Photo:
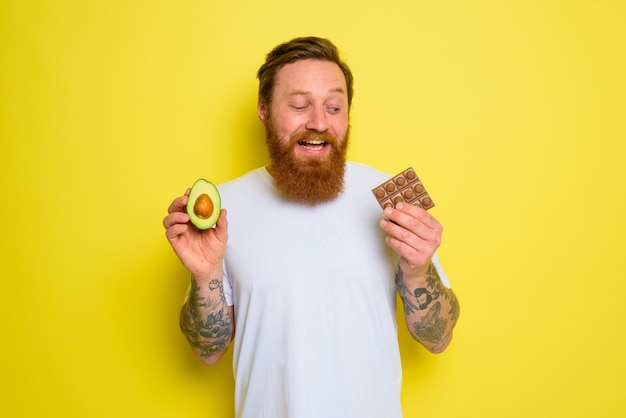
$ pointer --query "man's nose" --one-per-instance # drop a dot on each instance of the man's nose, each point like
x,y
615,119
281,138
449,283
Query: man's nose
x,y
317,120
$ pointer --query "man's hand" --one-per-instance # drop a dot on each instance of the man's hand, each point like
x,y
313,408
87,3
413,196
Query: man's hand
x,y
201,251
414,234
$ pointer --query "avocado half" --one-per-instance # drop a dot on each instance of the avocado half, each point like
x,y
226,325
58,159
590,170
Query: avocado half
x,y
204,204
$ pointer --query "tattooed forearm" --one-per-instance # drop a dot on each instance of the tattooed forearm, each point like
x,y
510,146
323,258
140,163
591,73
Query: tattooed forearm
x,y
431,310
206,321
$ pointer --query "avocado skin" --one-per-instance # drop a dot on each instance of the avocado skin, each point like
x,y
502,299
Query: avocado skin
x,y
200,187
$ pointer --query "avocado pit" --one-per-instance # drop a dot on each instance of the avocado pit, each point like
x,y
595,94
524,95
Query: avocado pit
x,y
203,206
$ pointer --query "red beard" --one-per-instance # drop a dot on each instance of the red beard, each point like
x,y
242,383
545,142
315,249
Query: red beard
x,y
307,180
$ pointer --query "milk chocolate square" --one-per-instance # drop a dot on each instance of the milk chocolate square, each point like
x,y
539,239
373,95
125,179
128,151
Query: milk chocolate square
x,y
404,187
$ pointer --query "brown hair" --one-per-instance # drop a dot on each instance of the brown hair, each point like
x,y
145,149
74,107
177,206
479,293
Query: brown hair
x,y
295,50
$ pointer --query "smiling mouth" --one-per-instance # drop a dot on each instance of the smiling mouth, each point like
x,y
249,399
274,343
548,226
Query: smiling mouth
x,y
312,145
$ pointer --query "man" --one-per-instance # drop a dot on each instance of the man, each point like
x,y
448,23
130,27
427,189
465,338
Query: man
x,y
303,274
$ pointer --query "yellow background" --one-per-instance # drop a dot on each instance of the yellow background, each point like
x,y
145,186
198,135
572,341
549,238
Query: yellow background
x,y
512,112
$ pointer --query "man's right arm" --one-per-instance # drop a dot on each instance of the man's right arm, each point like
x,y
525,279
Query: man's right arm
x,y
206,319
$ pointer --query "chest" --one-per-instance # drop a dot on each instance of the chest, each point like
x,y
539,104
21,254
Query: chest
x,y
308,250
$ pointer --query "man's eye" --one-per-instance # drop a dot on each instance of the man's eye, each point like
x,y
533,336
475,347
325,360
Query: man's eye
x,y
333,109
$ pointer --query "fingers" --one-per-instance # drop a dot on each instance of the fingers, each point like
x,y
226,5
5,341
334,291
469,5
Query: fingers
x,y
177,211
176,230
176,223
179,204
175,218
222,222
407,214
411,230
221,226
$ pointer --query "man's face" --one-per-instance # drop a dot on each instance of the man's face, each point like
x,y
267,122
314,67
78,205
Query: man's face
x,y
307,130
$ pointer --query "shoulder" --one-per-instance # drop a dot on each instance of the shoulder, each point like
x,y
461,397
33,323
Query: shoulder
x,y
360,180
363,175
251,186
251,179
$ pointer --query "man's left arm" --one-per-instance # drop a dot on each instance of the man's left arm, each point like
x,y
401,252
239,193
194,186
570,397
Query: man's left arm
x,y
431,309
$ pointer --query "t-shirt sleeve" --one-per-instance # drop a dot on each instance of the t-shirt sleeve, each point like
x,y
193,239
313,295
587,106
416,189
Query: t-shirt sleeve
x,y
228,290
442,274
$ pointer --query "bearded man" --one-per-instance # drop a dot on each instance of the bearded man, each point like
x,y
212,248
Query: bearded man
x,y
303,272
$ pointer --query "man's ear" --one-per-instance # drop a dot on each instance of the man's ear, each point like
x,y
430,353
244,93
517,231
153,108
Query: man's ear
x,y
262,112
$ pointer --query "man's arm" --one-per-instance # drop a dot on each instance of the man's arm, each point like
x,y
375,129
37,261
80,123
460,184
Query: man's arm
x,y
431,310
207,321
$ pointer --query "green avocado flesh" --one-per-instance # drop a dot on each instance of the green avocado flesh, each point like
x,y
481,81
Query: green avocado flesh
x,y
204,204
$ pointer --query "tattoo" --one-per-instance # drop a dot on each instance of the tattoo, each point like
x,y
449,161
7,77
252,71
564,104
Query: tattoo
x,y
210,334
423,298
430,326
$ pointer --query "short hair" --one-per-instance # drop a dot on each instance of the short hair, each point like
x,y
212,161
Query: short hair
x,y
295,50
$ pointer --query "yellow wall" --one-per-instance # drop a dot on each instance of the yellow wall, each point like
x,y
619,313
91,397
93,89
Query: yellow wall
x,y
512,112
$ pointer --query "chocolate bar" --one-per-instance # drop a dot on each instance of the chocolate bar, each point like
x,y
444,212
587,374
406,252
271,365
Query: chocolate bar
x,y
404,187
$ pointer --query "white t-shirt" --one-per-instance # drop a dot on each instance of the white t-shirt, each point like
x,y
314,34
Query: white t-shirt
x,y
314,296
